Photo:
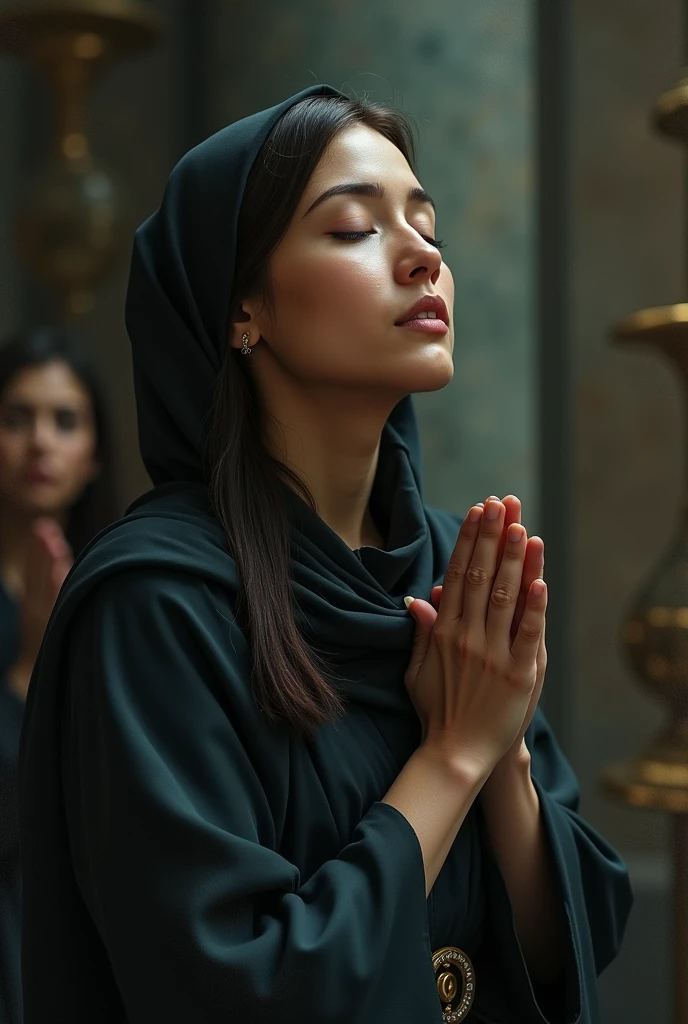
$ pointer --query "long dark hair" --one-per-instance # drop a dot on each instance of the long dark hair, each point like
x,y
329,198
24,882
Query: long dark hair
x,y
246,481
98,504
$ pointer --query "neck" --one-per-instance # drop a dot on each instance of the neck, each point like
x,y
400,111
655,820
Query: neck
x,y
331,439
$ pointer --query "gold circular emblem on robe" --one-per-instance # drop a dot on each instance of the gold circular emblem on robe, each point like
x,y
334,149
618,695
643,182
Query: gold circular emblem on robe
x,y
455,982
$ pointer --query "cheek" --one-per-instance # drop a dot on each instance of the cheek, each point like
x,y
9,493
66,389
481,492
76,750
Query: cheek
x,y
13,452
78,456
337,287
445,284
76,461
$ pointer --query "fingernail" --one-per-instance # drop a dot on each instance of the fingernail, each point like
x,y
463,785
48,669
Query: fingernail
x,y
493,510
475,514
409,600
538,588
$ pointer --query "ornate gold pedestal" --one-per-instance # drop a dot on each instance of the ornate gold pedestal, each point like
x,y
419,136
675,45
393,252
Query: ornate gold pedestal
x,y
656,630
70,226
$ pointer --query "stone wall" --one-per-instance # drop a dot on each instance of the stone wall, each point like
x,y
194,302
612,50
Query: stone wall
x,y
463,71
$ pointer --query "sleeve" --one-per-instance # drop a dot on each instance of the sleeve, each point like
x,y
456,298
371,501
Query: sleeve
x,y
174,842
596,896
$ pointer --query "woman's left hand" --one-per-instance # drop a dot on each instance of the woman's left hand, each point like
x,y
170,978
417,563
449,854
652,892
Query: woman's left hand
x,y
532,570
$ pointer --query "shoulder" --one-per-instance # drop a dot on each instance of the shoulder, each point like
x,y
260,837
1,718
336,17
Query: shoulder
x,y
160,551
151,635
147,597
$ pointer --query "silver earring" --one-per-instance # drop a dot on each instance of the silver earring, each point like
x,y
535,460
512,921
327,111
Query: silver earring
x,y
245,349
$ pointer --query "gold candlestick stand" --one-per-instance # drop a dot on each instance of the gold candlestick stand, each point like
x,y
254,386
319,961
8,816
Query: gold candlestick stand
x,y
655,633
70,225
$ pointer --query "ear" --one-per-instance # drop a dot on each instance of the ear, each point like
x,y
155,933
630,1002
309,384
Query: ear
x,y
241,322
245,320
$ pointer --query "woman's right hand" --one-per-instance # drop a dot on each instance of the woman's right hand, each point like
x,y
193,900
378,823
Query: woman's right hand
x,y
48,560
473,687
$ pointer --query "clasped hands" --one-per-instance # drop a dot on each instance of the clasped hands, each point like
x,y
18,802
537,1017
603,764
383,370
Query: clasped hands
x,y
533,568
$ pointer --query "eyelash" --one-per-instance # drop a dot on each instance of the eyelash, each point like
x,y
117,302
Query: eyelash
x,y
353,236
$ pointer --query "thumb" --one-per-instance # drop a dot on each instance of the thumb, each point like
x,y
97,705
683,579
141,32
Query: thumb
x,y
424,616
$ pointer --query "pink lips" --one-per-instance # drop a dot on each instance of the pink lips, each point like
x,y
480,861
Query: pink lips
x,y
433,325
439,324
37,476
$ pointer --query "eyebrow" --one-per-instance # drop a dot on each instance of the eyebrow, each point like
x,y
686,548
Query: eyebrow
x,y
369,188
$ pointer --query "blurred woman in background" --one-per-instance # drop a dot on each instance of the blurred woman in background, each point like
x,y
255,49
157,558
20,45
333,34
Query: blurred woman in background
x,y
57,491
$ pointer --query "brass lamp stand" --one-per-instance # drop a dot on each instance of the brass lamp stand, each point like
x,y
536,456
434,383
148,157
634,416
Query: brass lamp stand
x,y
655,634
70,224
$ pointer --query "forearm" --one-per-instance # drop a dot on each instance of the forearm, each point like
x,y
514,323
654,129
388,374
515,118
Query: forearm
x,y
511,809
435,794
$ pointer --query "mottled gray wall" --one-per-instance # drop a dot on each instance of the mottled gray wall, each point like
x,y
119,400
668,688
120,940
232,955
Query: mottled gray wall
x,y
628,230
464,71
628,244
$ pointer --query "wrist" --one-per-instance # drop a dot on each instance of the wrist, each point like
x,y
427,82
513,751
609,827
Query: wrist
x,y
456,765
511,774
516,758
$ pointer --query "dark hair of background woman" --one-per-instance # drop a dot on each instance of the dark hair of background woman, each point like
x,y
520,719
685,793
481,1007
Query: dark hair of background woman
x,y
288,678
98,505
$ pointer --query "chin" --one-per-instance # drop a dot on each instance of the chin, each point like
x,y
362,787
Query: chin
x,y
35,505
430,374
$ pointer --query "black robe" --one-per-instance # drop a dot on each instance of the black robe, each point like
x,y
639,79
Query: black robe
x,y
186,860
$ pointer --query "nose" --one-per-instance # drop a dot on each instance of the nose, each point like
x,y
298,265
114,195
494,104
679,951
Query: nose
x,y
42,433
421,262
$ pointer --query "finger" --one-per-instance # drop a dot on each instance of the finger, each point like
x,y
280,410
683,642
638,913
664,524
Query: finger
x,y
541,658
533,569
49,560
457,567
424,616
512,504
49,533
512,515
505,590
44,528
38,558
526,643
481,570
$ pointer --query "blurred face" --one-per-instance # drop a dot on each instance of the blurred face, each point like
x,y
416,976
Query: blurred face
x,y
355,267
47,440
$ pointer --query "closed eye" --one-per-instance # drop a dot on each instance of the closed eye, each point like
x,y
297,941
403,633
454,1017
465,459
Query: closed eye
x,y
353,236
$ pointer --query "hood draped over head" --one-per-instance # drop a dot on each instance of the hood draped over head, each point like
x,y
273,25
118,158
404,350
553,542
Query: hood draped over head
x,y
177,309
